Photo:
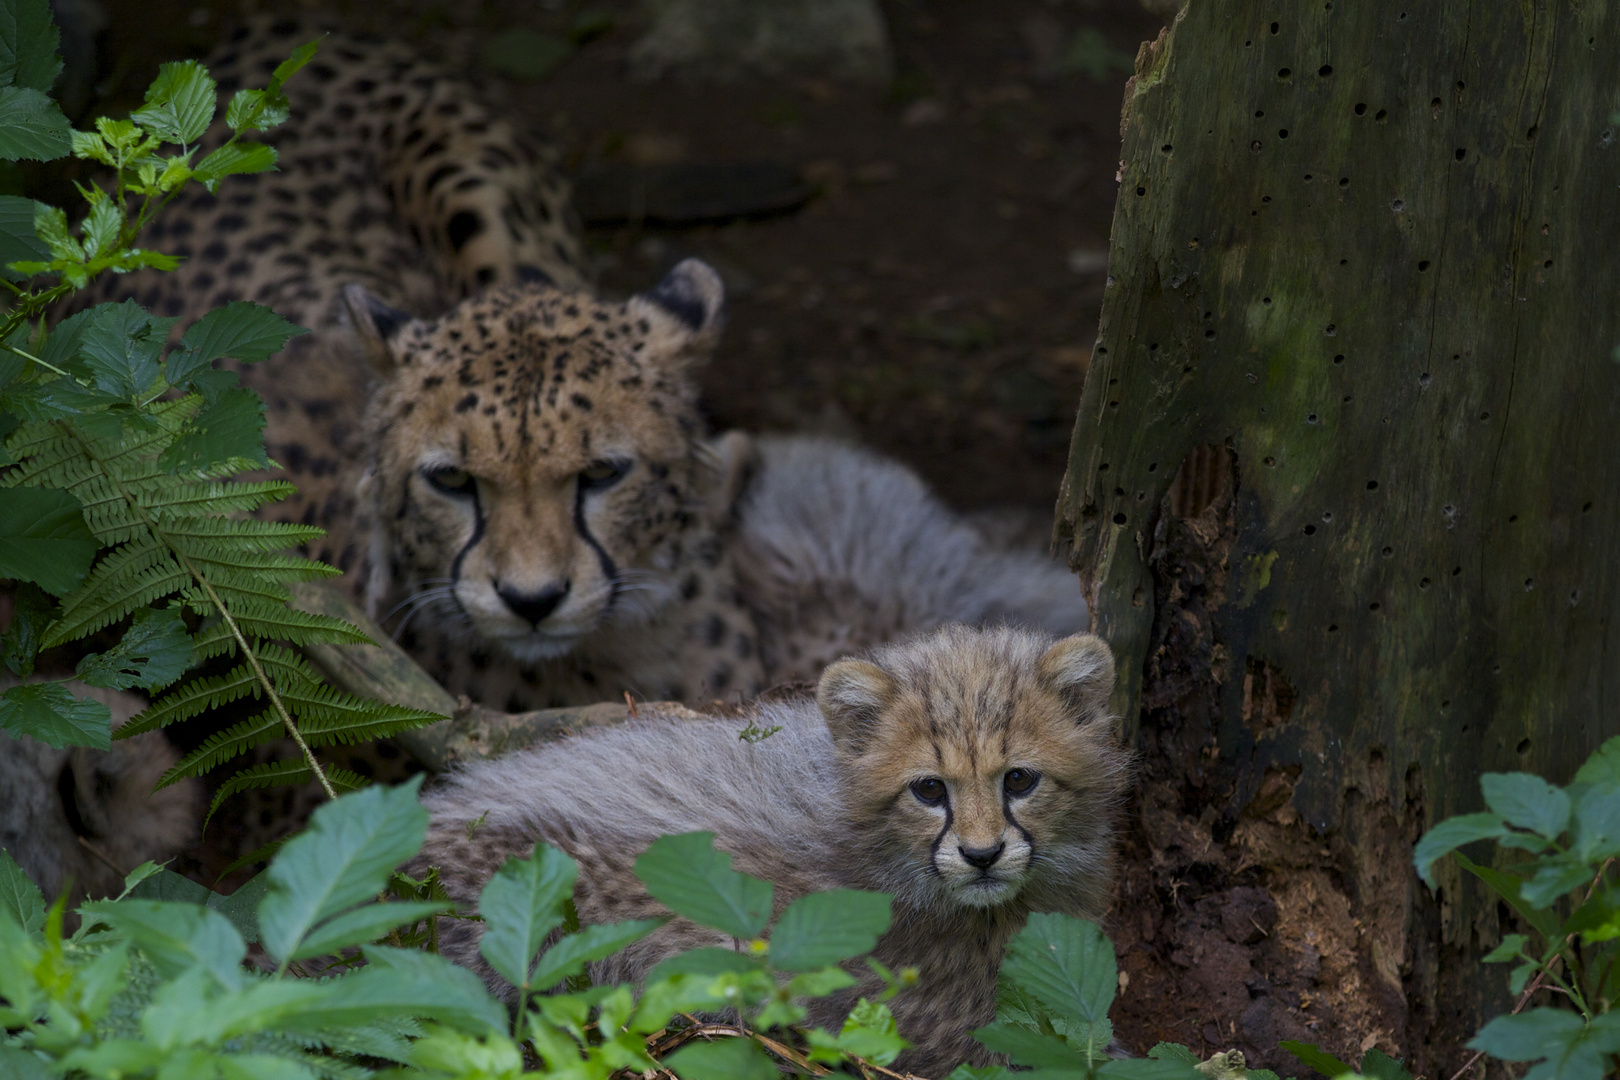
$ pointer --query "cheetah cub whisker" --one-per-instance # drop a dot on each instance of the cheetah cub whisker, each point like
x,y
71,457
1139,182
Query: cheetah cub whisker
x,y
971,773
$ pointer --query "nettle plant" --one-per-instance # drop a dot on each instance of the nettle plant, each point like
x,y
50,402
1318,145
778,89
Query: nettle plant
x,y
118,511
158,982
1564,889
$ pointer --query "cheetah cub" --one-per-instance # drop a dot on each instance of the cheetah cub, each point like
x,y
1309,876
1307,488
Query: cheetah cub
x,y
972,774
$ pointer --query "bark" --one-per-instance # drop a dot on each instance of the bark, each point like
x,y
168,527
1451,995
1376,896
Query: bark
x,y
1362,272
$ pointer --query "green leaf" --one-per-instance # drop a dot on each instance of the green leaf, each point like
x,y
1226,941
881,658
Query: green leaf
x,y
1512,945
341,860
1027,1047
879,1034
120,344
292,65
826,927
1313,1056
363,925
241,330
31,126
1603,767
233,159
1597,823
32,610
706,963
28,41
1376,1063
47,711
687,875
179,103
1450,835
1527,801
101,225
521,905
1508,887
1529,1035
228,430
1149,1069
19,1064
256,110
1174,1052
1554,880
44,539
18,241
723,1059
416,983
1066,963
176,936
569,956
154,651
19,896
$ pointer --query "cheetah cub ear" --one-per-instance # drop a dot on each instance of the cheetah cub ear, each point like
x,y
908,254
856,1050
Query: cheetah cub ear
x,y
1081,670
375,325
852,696
684,313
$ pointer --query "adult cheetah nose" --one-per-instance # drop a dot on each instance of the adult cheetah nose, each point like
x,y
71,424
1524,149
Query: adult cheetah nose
x,y
534,607
983,857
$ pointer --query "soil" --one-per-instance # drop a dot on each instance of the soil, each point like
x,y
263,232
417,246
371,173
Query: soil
x,y
936,298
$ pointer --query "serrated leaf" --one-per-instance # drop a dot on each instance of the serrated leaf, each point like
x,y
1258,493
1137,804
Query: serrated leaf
x,y
177,936
154,652
179,103
689,877
120,345
826,927
1376,1063
1450,835
341,860
241,330
1527,801
1028,1047
1511,946
20,896
234,159
1553,880
1508,887
32,127
47,711
1535,1033
521,905
44,538
31,612
1148,1069
228,429
18,241
28,42
1603,767
723,1059
363,925
101,225
1597,823
569,956
706,962
1066,963
1313,1056
292,65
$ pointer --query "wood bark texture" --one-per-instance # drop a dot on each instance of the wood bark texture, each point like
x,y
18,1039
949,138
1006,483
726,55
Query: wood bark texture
x,y
1366,251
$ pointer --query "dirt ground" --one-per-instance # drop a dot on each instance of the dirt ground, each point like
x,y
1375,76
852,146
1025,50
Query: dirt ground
x,y
935,297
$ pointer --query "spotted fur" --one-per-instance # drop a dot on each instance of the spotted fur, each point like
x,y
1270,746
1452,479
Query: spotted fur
x,y
836,798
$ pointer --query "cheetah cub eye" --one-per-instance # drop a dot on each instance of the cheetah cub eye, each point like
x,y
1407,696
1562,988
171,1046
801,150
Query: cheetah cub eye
x,y
930,790
1020,781
602,474
450,481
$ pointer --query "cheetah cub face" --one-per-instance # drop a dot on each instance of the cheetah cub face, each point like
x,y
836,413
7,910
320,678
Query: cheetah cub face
x,y
536,457
981,776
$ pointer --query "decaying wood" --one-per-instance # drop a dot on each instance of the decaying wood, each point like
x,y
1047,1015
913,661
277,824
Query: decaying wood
x,y
386,672
1368,249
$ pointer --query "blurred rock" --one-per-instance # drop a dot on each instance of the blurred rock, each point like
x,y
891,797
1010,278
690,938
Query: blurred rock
x,y
720,40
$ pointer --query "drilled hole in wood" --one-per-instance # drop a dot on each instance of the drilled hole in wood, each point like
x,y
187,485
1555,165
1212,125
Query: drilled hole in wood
x,y
1311,418
1361,108
1347,399
1372,485
1423,267
1269,462
1282,133
1373,606
1254,147
1268,697
1119,519
1265,299
1331,330
1532,132
1265,199
1399,206
1524,746
1309,530
1153,466
1259,114
1141,191
1325,70
1165,149
1529,583
1547,265
1203,478
1344,181
1424,584
1274,28
1424,380
1485,416
1587,508
1339,358
1333,628
1381,114
1209,333
1435,104
1512,518
1460,153
1388,551
1456,570
1285,74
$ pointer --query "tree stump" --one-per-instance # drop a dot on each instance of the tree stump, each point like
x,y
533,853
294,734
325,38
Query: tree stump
x,y
1345,491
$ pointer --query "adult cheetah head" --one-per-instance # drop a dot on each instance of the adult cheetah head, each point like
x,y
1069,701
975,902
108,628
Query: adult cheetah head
x,y
538,457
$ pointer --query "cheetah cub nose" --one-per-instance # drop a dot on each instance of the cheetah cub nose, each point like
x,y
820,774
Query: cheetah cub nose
x,y
984,857
534,607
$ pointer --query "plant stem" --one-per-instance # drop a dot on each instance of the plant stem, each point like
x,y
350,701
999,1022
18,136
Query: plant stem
x,y
37,360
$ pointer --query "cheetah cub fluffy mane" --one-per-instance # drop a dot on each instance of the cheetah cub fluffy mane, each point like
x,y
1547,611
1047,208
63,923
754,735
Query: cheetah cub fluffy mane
x,y
972,774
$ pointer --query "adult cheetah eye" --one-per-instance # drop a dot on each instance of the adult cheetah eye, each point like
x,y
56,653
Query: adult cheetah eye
x,y
449,480
1020,781
602,474
930,790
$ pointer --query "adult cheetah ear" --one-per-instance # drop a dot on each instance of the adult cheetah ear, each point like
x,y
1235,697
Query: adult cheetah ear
x,y
733,458
375,324
1081,670
684,312
852,695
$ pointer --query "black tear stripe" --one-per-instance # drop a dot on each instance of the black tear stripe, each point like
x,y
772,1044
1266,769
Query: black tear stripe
x,y
472,541
609,570
1006,812
933,849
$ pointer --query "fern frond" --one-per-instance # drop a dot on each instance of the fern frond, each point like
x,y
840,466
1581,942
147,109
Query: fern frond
x,y
213,640
280,774
327,715
204,532
273,622
133,576
221,560
223,745
192,699
191,498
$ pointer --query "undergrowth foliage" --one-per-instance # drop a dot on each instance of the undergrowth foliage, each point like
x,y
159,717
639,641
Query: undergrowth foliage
x,y
118,507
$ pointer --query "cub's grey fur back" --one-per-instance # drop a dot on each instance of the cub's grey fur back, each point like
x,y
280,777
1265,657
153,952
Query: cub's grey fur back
x,y
51,800
831,801
839,548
